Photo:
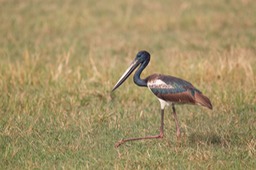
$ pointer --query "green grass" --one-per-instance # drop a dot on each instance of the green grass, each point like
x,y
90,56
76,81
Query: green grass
x,y
60,59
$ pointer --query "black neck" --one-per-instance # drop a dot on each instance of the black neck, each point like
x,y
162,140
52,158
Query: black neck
x,y
136,78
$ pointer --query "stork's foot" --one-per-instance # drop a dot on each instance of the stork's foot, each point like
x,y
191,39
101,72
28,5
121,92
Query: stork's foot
x,y
122,141
178,134
161,134
117,144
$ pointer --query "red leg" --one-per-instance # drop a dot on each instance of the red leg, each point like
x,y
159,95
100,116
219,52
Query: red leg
x,y
176,122
161,134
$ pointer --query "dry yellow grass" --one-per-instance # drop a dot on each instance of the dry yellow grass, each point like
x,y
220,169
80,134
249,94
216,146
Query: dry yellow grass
x,y
59,60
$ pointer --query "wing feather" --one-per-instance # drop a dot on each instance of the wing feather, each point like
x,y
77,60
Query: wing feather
x,y
176,90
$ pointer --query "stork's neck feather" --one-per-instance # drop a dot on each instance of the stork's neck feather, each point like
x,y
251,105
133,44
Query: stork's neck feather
x,y
136,78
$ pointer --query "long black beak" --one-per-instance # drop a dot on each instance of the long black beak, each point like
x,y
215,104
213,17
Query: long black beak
x,y
127,73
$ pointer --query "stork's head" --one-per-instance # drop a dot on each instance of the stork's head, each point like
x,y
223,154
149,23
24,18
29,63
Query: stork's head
x,y
141,57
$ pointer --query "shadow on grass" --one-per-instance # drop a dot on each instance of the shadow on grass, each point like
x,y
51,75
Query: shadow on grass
x,y
205,138
225,140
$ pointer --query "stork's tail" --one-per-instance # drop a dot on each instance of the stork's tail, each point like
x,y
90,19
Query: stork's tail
x,y
203,100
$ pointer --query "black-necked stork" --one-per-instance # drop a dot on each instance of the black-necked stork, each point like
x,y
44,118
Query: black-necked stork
x,y
168,90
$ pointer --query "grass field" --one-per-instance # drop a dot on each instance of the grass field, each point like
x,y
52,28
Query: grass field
x,y
60,59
